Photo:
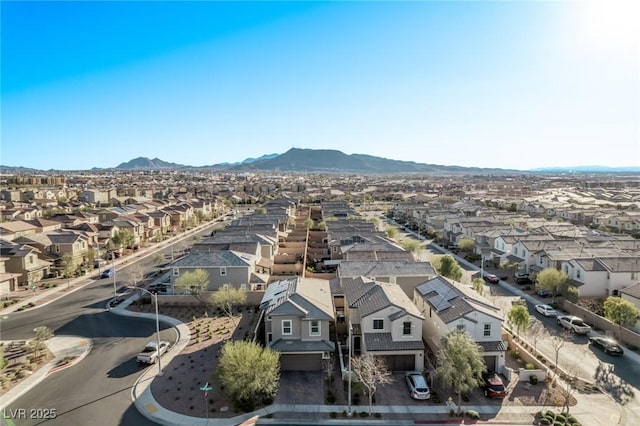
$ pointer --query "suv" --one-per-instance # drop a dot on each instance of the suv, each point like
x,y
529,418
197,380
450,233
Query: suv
x,y
492,279
493,386
417,384
573,324
522,278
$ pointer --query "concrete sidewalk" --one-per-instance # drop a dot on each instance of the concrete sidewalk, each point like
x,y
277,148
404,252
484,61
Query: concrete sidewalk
x,y
67,352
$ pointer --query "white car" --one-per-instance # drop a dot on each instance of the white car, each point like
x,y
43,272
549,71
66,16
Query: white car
x,y
573,324
546,310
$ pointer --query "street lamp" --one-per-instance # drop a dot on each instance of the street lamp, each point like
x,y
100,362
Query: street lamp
x,y
155,300
115,291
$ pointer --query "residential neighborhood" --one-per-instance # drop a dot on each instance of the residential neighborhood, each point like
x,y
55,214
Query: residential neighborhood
x,y
325,261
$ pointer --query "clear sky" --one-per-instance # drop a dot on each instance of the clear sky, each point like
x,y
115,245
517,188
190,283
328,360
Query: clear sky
x,y
508,84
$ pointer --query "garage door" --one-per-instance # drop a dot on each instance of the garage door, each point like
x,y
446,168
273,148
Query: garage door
x,y
490,361
311,362
400,362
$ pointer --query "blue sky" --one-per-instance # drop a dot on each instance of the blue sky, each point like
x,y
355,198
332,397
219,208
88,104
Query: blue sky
x,y
488,84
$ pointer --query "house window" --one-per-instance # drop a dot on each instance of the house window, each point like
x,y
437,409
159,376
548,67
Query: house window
x,y
269,337
314,328
223,272
31,259
460,327
378,324
57,248
335,249
578,273
286,327
487,330
243,287
176,272
406,328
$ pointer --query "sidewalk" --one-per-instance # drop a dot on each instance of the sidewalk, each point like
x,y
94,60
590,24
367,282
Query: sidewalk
x,y
62,347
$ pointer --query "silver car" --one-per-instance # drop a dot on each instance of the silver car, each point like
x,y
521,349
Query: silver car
x,y
417,385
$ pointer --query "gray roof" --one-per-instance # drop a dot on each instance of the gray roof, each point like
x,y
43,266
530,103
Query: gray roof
x,y
385,268
370,296
291,345
212,259
303,297
633,291
496,346
384,342
450,303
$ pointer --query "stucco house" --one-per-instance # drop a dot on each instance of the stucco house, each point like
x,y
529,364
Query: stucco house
x,y
298,313
385,323
448,307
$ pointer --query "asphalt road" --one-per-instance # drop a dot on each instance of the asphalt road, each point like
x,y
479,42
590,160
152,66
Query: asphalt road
x,y
96,391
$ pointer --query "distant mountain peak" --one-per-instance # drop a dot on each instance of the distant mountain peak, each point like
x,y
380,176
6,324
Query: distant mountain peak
x,y
145,163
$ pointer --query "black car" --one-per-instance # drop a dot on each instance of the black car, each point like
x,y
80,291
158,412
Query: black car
x,y
493,385
607,344
543,293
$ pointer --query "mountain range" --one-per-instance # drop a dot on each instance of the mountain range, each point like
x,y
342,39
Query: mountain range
x,y
333,161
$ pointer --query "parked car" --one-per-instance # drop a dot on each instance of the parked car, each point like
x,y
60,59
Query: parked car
x,y
108,273
543,293
522,278
546,310
607,344
493,386
150,353
490,278
573,324
158,288
417,384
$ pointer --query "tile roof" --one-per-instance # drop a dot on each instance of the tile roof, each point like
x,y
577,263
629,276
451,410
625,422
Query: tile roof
x,y
209,259
376,342
385,268
295,345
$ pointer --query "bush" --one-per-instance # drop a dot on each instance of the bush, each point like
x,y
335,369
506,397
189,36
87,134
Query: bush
x,y
546,421
533,379
452,412
529,366
472,414
364,414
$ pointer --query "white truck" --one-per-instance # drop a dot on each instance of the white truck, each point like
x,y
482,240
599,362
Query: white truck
x,y
573,324
150,353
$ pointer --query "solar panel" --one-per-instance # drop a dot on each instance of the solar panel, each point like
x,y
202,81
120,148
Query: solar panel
x,y
439,302
450,294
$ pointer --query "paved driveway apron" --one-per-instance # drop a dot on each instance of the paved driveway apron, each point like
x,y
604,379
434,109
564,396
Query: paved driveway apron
x,y
300,387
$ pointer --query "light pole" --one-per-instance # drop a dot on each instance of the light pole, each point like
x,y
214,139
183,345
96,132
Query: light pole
x,y
115,291
155,300
350,342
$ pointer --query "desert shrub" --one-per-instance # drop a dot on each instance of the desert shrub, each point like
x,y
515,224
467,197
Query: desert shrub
x,y
364,414
472,414
546,421
533,379
529,366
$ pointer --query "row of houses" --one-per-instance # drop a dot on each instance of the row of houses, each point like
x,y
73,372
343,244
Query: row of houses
x,y
31,250
598,263
388,303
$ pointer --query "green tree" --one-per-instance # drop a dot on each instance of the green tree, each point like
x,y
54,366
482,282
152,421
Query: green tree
x,y
227,298
248,372
518,318
467,244
450,268
123,238
478,285
371,372
261,210
620,312
551,279
571,293
322,226
36,346
460,364
193,282
91,257
308,223
68,267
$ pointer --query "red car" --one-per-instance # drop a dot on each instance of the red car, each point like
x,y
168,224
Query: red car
x,y
493,386
490,278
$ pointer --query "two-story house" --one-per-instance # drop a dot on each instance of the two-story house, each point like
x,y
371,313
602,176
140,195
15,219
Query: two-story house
x,y
385,323
25,261
447,307
298,314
